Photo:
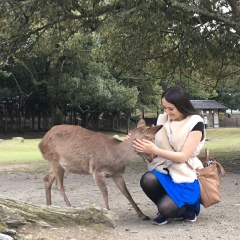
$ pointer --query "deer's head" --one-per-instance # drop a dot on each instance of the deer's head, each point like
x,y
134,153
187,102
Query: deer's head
x,y
145,132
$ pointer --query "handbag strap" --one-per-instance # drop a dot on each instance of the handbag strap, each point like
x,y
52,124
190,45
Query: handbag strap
x,y
206,159
190,166
207,154
220,167
211,161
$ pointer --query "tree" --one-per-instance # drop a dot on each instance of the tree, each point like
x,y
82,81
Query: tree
x,y
194,43
67,78
176,42
229,95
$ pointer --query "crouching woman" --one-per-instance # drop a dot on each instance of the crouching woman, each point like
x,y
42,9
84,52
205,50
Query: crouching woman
x,y
169,182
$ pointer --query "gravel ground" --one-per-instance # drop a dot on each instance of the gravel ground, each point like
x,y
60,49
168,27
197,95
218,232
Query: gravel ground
x,y
220,221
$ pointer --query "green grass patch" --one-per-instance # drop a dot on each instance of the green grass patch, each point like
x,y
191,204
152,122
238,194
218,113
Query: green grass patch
x,y
12,151
22,156
223,144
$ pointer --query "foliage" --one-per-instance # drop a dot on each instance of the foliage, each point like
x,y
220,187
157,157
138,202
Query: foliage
x,y
229,95
56,53
176,42
68,79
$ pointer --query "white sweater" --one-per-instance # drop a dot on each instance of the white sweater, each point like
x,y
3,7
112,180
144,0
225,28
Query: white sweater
x,y
172,137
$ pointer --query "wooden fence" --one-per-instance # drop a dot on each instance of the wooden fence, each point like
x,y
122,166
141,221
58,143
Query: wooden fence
x,y
229,121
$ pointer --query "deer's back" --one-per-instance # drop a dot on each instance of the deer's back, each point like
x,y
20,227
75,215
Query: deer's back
x,y
77,149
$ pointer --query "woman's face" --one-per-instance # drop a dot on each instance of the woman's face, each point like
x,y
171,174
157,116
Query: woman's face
x,y
172,111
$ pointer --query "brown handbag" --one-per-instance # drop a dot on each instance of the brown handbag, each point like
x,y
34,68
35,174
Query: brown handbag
x,y
209,181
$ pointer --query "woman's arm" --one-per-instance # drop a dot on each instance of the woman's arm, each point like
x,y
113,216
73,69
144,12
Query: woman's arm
x,y
189,147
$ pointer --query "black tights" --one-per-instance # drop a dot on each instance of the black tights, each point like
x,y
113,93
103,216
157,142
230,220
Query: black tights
x,y
155,191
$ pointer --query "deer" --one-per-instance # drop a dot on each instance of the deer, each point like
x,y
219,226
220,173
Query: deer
x,y
74,149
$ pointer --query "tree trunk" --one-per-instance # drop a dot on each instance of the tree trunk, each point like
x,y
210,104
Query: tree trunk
x,y
14,213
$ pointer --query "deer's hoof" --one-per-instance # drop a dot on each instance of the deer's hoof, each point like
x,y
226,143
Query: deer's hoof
x,y
146,218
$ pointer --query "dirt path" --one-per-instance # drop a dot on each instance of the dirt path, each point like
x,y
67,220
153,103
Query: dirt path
x,y
217,222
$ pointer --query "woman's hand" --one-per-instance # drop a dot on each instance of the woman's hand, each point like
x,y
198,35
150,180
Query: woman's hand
x,y
127,136
144,146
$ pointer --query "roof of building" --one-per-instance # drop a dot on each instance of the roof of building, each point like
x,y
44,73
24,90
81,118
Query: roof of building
x,y
207,104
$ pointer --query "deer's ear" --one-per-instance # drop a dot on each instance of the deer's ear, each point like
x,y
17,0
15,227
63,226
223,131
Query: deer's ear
x,y
154,129
141,123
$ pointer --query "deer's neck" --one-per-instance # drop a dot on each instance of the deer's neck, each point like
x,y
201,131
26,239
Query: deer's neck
x,y
125,151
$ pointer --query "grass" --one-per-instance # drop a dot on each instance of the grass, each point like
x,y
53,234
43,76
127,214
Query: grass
x,y
12,151
22,156
222,142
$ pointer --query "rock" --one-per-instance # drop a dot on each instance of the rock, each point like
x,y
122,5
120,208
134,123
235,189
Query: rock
x,y
10,232
5,237
21,139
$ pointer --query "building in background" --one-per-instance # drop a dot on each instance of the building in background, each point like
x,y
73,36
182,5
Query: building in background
x,y
209,109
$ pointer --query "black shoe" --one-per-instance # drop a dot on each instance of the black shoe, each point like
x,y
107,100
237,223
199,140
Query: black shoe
x,y
160,220
189,216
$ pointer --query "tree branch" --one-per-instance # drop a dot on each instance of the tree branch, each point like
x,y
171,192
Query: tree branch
x,y
217,16
235,8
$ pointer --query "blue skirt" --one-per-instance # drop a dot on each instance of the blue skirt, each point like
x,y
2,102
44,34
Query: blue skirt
x,y
181,193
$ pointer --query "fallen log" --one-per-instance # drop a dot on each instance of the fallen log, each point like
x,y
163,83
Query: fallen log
x,y
14,213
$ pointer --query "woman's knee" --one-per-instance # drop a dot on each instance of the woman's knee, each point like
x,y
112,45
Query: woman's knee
x,y
148,179
168,208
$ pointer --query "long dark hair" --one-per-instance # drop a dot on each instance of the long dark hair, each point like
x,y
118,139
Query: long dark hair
x,y
177,96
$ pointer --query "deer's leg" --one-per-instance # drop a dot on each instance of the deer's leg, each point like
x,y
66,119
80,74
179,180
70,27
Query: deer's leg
x,y
48,181
100,181
59,174
122,186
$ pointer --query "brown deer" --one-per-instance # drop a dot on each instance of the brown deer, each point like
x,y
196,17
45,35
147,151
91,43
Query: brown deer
x,y
78,150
